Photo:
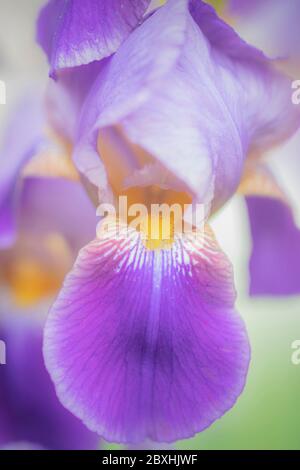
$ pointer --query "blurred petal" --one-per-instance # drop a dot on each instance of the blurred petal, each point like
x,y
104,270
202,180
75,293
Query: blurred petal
x,y
58,206
74,32
24,138
147,344
29,409
272,25
64,98
284,162
275,258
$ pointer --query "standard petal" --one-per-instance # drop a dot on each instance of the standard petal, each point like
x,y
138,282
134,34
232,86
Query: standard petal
x,y
128,80
74,32
275,258
217,101
147,344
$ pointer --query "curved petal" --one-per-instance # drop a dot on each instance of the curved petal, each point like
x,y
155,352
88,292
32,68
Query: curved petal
x,y
147,344
275,257
74,32
216,100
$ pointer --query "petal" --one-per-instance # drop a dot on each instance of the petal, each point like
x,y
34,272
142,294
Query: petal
x,y
220,35
64,97
8,223
269,116
23,139
218,101
275,257
127,80
51,205
29,409
284,163
74,33
271,25
147,344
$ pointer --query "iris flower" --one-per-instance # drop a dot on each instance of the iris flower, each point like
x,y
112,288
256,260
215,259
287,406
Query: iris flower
x,y
167,105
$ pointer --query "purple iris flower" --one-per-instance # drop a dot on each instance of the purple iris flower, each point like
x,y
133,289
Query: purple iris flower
x,y
143,341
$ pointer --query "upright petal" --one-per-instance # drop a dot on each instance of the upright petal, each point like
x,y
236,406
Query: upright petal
x,y
128,80
73,32
147,344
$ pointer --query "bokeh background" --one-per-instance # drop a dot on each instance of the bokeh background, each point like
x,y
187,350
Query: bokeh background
x,y
267,415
